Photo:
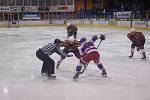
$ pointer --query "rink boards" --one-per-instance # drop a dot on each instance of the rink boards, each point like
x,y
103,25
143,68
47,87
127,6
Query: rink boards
x,y
84,22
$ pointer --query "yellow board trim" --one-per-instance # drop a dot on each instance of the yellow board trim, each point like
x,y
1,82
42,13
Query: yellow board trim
x,y
81,25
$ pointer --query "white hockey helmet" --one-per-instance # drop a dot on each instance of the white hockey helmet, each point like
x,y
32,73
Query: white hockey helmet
x,y
68,24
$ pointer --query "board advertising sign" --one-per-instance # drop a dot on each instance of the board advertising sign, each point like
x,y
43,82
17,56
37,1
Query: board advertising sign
x,y
31,16
123,15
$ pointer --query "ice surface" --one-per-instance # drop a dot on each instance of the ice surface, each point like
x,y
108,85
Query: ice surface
x,y
20,79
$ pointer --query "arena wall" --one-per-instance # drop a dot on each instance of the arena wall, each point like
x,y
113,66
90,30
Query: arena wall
x,y
124,23
100,22
26,23
113,23
148,24
140,23
3,24
86,22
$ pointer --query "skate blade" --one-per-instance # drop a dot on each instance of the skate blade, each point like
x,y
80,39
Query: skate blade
x,y
130,57
51,78
104,75
75,78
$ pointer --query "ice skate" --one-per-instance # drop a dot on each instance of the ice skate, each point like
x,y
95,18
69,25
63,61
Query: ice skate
x,y
104,74
143,58
43,74
132,53
131,56
76,76
50,76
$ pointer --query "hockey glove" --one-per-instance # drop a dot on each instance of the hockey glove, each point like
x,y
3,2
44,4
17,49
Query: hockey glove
x,y
102,37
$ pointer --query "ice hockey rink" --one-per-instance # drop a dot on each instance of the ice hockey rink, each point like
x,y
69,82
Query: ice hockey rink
x,y
20,79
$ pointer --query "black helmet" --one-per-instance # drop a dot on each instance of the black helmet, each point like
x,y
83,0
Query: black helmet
x,y
82,40
57,41
94,38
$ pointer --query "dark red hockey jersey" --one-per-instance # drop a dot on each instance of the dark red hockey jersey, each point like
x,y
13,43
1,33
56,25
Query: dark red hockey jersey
x,y
70,44
136,36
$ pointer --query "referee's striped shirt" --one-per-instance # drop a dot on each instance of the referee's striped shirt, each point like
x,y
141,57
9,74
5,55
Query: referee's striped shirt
x,y
50,48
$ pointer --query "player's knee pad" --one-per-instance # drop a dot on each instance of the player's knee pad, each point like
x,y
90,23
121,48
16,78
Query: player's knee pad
x,y
78,68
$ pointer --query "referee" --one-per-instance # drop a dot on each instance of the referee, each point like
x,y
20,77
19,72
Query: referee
x,y
48,67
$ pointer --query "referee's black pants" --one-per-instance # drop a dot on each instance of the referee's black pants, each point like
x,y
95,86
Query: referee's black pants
x,y
48,63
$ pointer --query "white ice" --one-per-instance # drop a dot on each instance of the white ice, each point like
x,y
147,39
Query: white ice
x,y
20,79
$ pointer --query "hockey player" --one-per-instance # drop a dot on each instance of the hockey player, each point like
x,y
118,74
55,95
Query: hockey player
x,y
138,41
44,53
70,45
71,30
89,53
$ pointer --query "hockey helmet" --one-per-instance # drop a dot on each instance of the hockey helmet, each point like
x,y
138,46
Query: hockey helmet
x,y
57,41
68,24
94,38
132,30
82,40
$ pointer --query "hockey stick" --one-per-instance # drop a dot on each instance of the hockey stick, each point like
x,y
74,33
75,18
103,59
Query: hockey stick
x,y
99,43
